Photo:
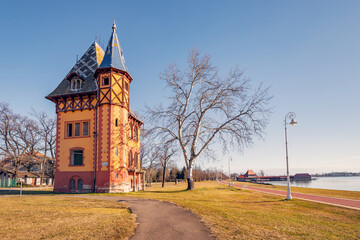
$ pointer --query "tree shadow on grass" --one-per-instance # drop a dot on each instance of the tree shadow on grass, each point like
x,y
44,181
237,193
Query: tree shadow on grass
x,y
174,191
4,192
230,189
266,201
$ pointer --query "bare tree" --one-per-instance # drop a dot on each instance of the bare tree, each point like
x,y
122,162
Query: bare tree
x,y
205,108
148,153
47,134
166,152
17,136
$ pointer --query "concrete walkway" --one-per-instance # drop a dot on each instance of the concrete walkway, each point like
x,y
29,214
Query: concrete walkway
x,y
162,220
347,203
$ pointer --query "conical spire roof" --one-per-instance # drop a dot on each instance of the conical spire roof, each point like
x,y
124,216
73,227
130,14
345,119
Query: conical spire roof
x,y
114,55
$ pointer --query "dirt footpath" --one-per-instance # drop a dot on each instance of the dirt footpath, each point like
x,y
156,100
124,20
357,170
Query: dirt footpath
x,y
162,220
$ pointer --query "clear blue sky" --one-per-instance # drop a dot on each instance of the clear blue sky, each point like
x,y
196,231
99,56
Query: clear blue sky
x,y
307,51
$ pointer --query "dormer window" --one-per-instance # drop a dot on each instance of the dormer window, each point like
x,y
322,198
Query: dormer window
x,y
76,83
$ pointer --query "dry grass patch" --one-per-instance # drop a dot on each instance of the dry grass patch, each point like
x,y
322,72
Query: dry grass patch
x,y
40,217
232,213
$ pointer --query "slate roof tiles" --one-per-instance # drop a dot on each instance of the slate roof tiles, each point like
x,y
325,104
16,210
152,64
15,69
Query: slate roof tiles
x,y
85,68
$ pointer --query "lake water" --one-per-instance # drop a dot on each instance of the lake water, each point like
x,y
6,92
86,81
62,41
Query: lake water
x,y
336,183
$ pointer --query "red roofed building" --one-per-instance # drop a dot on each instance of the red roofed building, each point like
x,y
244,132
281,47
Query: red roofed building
x,y
250,175
241,178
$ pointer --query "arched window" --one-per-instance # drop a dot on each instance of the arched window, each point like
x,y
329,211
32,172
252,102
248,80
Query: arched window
x,y
130,132
72,184
75,83
80,184
130,159
136,161
135,133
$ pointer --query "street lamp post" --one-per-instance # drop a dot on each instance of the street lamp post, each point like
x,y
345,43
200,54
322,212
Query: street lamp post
x,y
291,116
229,172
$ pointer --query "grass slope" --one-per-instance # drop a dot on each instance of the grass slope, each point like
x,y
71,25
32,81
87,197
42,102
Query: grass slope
x,y
232,213
53,217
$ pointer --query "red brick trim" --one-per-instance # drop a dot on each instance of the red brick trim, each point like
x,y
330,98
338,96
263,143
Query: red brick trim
x,y
109,133
100,135
57,153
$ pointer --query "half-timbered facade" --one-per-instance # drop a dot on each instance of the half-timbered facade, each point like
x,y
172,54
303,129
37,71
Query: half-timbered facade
x,y
98,136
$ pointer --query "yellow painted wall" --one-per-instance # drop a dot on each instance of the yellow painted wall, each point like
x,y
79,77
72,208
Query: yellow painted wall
x,y
83,142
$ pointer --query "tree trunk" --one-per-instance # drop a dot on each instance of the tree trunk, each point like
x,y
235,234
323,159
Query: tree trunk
x,y
43,169
16,163
163,176
190,177
149,178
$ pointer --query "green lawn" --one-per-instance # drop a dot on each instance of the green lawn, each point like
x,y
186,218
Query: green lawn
x,y
232,213
58,217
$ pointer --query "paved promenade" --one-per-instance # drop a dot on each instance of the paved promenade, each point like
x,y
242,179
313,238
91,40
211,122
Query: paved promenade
x,y
158,220
348,203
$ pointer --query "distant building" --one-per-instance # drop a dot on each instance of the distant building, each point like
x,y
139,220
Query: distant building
x,y
301,177
241,178
30,169
249,176
273,178
29,178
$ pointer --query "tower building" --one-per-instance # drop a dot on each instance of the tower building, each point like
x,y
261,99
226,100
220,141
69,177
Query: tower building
x,y
98,136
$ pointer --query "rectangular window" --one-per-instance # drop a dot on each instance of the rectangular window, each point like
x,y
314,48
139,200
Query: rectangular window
x,y
77,129
69,128
85,128
105,81
76,157
126,86
116,151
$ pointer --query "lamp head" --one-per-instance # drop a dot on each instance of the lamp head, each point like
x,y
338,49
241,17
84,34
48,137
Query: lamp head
x,y
293,122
